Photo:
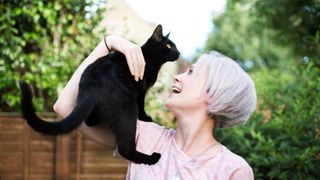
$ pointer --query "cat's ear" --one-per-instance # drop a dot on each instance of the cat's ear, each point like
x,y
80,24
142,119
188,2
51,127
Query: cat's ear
x,y
167,36
157,33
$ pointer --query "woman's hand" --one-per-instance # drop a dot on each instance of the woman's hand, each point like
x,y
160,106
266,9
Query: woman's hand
x,y
132,52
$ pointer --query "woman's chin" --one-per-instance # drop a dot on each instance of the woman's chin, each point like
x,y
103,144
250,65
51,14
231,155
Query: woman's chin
x,y
170,103
167,104
171,107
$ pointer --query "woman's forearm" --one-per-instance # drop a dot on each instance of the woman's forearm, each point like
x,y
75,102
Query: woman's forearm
x,y
101,133
136,63
67,98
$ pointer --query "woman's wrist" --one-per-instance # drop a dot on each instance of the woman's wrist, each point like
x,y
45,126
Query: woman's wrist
x,y
106,44
132,52
109,42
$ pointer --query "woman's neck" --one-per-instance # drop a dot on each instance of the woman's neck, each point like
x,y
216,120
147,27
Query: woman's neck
x,y
194,132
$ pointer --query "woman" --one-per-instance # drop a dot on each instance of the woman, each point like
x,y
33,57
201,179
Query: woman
x,y
214,92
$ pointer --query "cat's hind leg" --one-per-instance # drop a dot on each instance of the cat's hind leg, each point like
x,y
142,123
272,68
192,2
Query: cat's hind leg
x,y
143,116
126,133
94,118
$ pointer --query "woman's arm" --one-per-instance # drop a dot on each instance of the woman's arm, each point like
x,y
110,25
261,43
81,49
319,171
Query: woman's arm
x,y
67,98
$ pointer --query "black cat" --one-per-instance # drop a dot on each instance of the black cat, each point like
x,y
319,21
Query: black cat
x,y
109,93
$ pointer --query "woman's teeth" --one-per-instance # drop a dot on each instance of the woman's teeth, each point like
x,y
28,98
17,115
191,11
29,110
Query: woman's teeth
x,y
175,90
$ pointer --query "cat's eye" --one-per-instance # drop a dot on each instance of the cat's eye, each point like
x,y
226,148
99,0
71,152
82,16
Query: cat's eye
x,y
168,46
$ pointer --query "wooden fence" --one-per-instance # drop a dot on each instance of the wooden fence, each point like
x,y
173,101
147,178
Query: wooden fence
x,y
25,154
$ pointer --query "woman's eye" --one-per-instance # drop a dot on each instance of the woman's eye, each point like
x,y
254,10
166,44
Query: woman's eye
x,y
168,46
190,71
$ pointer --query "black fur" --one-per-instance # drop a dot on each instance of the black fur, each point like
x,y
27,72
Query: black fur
x,y
109,93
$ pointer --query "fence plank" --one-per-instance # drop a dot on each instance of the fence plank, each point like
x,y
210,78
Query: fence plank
x,y
78,156
26,161
26,154
62,157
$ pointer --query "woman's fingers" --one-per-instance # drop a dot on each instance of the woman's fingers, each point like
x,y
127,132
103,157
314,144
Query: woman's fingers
x,y
136,62
130,64
133,53
142,67
140,64
135,66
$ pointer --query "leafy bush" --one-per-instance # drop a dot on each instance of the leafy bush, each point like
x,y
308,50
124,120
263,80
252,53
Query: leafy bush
x,y
281,141
42,43
279,46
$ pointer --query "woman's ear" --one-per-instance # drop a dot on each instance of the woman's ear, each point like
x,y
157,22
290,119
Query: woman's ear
x,y
206,96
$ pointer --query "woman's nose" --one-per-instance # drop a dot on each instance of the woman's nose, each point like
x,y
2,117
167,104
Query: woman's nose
x,y
177,78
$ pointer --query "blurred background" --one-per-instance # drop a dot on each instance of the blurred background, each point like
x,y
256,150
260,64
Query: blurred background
x,y
276,42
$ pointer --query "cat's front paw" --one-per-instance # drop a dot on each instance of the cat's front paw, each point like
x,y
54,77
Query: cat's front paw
x,y
146,118
154,158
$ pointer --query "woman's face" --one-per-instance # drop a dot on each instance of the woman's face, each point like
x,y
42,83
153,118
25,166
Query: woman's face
x,y
188,89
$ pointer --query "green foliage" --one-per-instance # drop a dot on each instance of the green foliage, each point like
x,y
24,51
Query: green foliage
x,y
155,103
246,40
281,140
300,20
278,43
42,43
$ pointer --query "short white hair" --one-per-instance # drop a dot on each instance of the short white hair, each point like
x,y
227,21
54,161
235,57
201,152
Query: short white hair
x,y
231,91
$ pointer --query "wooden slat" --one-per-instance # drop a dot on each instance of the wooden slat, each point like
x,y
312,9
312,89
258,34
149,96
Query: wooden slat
x,y
102,171
40,177
26,161
12,176
38,136
62,157
11,126
78,156
26,154
42,146
11,147
99,157
11,136
11,163
103,177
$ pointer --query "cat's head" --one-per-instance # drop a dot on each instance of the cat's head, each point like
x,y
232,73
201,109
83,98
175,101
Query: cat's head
x,y
160,47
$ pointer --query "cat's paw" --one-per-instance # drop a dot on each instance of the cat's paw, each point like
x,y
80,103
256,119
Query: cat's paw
x,y
149,119
146,118
154,158
91,123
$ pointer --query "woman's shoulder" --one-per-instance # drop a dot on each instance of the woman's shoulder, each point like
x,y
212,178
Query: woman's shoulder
x,y
151,136
152,128
233,158
231,166
237,165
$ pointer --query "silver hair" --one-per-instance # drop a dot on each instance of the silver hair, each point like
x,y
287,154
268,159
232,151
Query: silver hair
x,y
231,91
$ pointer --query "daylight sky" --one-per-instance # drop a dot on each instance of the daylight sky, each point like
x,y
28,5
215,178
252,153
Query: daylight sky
x,y
189,21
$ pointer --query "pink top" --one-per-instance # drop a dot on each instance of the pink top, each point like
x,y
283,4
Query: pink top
x,y
175,164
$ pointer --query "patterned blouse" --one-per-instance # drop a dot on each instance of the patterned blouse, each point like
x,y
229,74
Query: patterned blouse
x,y
174,164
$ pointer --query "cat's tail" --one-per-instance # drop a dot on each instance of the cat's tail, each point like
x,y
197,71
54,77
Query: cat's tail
x,y
80,112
